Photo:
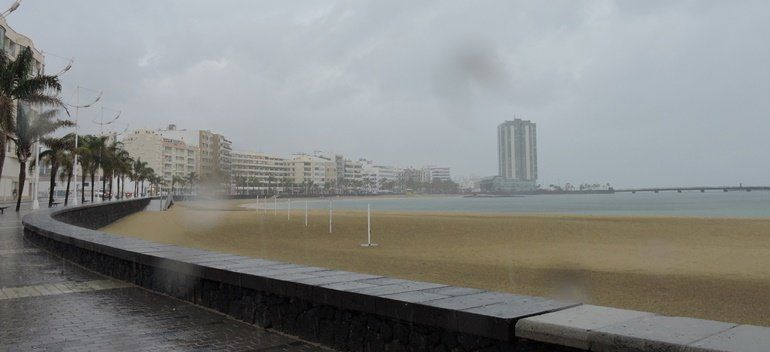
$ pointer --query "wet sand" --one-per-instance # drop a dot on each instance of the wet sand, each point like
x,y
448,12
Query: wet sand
x,y
711,268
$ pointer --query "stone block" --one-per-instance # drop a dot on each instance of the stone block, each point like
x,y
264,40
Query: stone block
x,y
742,338
570,327
654,333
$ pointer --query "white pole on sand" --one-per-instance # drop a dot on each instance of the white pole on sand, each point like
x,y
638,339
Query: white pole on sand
x,y
368,228
330,215
288,209
275,205
305,212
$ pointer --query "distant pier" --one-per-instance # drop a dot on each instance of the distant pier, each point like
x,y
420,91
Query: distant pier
x,y
701,189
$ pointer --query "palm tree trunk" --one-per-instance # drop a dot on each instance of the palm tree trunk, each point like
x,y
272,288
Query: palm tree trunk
x,y
67,192
82,188
3,145
122,188
22,179
52,183
92,186
104,183
110,186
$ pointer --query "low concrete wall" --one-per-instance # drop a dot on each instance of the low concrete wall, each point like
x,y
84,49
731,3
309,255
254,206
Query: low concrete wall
x,y
361,312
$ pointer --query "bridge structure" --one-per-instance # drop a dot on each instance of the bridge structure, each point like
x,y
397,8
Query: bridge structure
x,y
695,188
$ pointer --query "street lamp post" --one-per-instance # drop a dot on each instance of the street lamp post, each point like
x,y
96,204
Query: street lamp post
x,y
35,195
101,124
77,107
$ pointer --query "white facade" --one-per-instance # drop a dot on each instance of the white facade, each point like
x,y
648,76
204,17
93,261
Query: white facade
x,y
376,176
214,150
261,171
179,159
166,156
436,173
147,146
306,169
13,43
517,150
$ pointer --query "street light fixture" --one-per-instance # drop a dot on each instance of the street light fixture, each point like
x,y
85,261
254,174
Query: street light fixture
x,y
13,8
77,107
35,201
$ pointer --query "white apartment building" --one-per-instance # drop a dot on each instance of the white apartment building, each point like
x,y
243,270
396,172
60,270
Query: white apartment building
x,y
147,146
179,159
166,156
13,43
353,172
517,150
214,150
304,169
263,172
376,175
436,173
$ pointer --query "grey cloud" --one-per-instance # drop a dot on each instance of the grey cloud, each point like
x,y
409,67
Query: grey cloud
x,y
628,92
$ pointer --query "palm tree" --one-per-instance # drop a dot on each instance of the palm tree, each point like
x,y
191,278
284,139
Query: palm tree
x,y
30,126
176,179
57,155
122,166
270,181
19,82
96,145
191,179
87,159
146,174
68,165
136,173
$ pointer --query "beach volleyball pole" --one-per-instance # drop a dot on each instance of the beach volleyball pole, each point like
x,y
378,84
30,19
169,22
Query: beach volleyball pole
x,y
288,209
275,205
368,228
305,212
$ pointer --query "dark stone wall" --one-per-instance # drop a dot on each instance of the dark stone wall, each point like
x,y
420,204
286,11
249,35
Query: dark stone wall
x,y
94,216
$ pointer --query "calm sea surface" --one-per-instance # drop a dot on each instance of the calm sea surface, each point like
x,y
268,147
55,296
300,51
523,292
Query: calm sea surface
x,y
730,204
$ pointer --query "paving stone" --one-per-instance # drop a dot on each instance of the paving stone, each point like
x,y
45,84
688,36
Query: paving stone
x,y
454,291
570,327
57,306
406,286
474,300
415,296
337,278
742,338
654,333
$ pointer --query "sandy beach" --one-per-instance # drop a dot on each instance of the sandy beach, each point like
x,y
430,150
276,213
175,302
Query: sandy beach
x,y
711,268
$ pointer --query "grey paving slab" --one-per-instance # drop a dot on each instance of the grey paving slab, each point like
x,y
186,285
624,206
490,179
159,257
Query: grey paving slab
x,y
406,286
570,327
415,296
742,338
454,291
474,300
654,333
57,306
127,320
337,278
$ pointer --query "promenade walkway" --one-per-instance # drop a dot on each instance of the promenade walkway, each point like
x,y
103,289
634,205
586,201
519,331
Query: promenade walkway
x,y
47,304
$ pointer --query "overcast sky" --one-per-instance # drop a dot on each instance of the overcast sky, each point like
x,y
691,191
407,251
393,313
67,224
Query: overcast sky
x,y
635,93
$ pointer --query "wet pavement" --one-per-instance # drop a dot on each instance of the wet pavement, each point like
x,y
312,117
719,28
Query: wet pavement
x,y
48,304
